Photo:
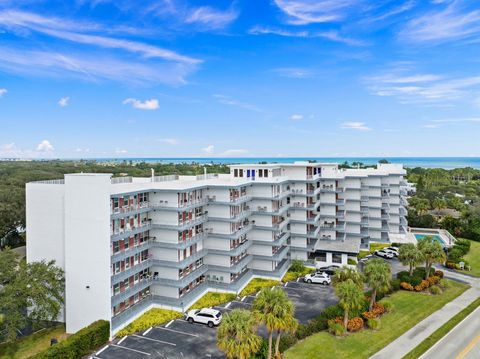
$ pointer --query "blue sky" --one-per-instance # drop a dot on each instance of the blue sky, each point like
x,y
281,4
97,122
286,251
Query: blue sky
x,y
181,78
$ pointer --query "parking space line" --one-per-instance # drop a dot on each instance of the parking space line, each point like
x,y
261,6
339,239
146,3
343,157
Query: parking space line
x,y
228,304
256,295
285,285
169,323
121,340
243,298
298,279
154,340
133,350
147,331
101,350
236,301
178,331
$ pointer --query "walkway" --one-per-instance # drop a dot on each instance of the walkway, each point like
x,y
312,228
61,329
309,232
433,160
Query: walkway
x,y
410,339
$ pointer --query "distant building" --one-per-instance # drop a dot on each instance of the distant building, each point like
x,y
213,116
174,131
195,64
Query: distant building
x,y
444,212
128,244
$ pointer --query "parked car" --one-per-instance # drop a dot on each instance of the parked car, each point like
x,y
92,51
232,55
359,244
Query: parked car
x,y
330,270
384,253
208,316
394,250
322,278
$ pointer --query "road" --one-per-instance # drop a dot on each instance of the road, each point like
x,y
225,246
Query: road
x,y
462,342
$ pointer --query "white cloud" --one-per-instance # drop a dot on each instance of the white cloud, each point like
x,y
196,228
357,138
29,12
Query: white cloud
x,y
331,35
10,150
45,146
209,150
151,104
210,17
234,153
226,100
85,150
120,151
63,102
358,126
296,117
170,141
3,92
293,72
452,22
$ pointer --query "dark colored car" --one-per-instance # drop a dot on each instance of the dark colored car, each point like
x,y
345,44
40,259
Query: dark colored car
x,y
330,270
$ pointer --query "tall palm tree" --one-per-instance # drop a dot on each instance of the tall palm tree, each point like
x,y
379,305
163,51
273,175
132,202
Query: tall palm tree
x,y
287,324
432,252
410,255
237,336
273,309
344,273
378,277
351,298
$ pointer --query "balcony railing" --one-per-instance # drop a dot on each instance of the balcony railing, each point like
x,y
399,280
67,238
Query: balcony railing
x,y
130,291
118,277
233,251
175,206
184,225
124,211
182,263
131,251
121,234
180,244
185,280
234,267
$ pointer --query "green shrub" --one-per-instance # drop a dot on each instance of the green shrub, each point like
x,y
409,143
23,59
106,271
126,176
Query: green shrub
x,y
435,290
396,285
256,284
388,306
351,261
296,266
212,299
335,328
286,341
79,344
373,323
443,284
263,351
155,316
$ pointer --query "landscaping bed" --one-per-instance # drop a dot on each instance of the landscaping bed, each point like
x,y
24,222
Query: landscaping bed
x,y
212,299
155,316
408,308
30,345
257,284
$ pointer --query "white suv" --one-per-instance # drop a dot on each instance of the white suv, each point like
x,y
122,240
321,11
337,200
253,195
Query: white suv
x,y
208,316
322,278
384,253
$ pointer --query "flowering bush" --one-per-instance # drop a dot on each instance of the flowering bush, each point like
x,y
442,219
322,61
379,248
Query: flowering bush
x,y
433,280
369,315
438,273
377,310
355,324
424,284
406,286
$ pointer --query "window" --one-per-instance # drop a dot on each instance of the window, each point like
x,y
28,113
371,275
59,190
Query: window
x,y
260,173
116,247
240,171
336,258
235,172
321,256
248,173
265,173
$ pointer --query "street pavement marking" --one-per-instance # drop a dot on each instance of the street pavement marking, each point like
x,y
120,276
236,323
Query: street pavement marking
x,y
154,340
121,340
236,301
285,285
101,350
147,331
298,279
468,348
169,323
243,298
133,350
177,331
228,304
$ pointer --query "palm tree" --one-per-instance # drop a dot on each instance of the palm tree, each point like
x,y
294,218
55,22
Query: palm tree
x,y
378,277
410,255
431,251
344,273
351,298
287,324
237,336
275,311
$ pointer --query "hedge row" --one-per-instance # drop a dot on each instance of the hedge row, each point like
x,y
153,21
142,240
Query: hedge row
x,y
155,316
79,344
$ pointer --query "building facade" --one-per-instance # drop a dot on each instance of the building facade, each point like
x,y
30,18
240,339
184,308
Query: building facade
x,y
128,244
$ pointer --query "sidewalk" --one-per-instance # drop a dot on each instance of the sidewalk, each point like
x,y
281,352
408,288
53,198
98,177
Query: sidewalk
x,y
410,339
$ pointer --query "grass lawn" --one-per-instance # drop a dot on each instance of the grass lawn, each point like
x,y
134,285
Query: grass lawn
x,y
373,248
32,344
473,258
409,308
442,331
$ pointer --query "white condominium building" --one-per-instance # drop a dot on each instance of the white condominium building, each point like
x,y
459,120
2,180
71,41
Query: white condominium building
x,y
128,244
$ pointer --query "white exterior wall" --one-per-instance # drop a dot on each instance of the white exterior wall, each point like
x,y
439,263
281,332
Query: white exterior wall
x,y
87,249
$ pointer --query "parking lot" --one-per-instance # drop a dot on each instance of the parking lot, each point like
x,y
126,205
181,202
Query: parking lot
x,y
180,339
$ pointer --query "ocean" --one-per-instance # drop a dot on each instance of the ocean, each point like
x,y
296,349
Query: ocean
x,y
425,162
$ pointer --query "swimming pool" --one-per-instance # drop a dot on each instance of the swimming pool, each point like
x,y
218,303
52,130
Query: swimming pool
x,y
434,236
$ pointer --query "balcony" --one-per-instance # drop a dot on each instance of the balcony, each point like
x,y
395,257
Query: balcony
x,y
241,231
131,312
233,251
264,210
185,280
234,267
275,257
179,207
131,271
130,291
233,200
125,211
182,263
181,244
184,225
121,234
237,218
131,251
278,272
235,285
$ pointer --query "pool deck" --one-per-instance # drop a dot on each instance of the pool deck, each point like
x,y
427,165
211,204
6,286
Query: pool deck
x,y
443,234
